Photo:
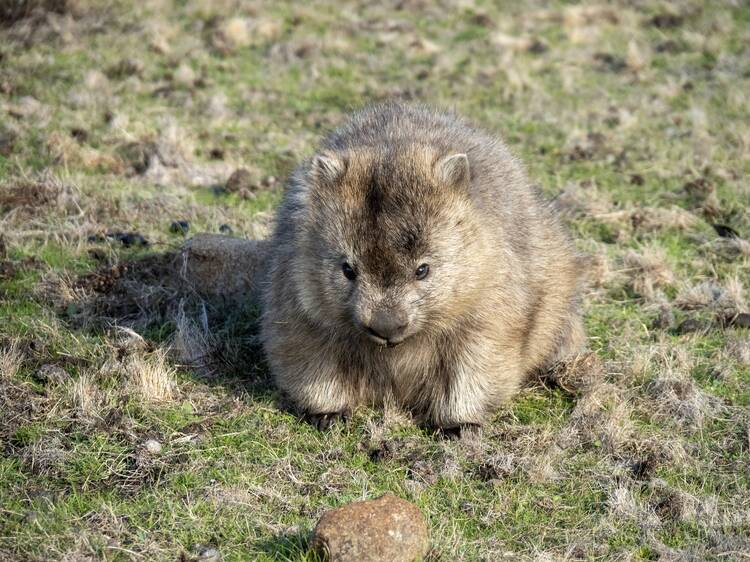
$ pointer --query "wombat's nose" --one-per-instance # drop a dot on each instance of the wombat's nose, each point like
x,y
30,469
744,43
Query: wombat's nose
x,y
388,325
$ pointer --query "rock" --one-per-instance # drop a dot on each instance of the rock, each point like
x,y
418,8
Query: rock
x,y
223,266
152,446
387,528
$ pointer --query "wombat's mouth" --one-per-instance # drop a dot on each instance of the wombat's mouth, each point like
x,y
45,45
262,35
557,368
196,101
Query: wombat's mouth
x,y
382,342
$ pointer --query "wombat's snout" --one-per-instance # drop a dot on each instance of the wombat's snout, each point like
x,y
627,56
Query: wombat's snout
x,y
388,327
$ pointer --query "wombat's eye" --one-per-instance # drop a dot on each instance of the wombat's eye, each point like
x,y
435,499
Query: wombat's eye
x,y
422,271
349,272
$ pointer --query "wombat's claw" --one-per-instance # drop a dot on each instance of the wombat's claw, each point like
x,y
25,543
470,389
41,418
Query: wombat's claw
x,y
461,431
325,421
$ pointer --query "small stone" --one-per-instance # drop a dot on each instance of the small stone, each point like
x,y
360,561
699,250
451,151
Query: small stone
x,y
152,446
179,227
201,552
387,528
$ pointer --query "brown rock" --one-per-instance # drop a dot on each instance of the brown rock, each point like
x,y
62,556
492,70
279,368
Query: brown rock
x,y
385,529
223,266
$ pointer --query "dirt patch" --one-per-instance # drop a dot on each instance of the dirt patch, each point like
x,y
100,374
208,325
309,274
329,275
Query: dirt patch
x,y
134,293
29,193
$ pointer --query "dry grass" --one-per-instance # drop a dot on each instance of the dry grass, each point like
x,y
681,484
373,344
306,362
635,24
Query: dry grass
x,y
648,271
150,377
137,418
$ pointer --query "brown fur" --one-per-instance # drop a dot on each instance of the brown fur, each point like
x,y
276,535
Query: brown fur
x,y
387,192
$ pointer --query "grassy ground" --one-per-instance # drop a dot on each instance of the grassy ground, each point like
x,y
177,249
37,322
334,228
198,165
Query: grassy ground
x,y
137,424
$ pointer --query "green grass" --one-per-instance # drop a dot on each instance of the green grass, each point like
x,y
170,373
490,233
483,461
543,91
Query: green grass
x,y
552,476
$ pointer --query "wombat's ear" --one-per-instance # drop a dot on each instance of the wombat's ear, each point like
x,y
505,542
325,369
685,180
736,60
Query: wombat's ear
x,y
454,169
327,167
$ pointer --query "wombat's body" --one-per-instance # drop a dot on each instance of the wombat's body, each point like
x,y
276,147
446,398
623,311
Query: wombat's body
x,y
413,261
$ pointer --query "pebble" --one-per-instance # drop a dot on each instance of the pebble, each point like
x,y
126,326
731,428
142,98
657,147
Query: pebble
x,y
152,446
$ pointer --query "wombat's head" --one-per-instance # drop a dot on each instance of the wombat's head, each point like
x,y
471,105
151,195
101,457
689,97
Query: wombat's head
x,y
390,244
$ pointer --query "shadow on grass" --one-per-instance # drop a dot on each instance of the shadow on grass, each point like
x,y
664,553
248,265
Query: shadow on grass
x,y
214,338
289,546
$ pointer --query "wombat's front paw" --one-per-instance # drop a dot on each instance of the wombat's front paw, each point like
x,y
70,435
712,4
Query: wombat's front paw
x,y
325,421
461,431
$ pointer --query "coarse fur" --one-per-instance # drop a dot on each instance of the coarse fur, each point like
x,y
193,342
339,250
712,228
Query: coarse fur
x,y
347,322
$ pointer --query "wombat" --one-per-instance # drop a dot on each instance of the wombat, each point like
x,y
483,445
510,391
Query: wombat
x,y
412,261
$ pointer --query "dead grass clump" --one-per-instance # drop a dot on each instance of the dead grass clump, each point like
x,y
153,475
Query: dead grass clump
x,y
728,248
622,503
677,397
671,394
648,271
194,345
577,375
85,397
601,419
654,219
150,377
583,199
673,505
165,160
46,456
133,294
726,300
19,405
65,150
11,360
739,350
26,193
